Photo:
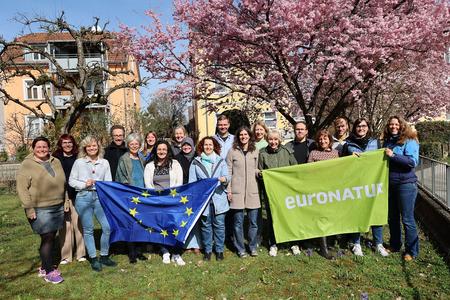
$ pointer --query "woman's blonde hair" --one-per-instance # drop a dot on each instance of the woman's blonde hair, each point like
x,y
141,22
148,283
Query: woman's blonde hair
x,y
263,125
276,133
86,142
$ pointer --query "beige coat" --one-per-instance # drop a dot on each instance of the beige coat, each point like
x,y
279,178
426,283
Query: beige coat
x,y
243,187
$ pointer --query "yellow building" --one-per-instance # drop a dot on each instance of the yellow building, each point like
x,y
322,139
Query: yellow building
x,y
206,120
63,48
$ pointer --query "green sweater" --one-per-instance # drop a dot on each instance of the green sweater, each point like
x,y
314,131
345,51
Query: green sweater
x,y
282,157
37,188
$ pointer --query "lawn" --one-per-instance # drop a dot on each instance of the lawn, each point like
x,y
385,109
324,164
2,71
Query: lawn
x,y
263,277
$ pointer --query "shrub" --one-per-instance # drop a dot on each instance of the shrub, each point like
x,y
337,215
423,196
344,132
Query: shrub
x,y
432,150
3,156
22,152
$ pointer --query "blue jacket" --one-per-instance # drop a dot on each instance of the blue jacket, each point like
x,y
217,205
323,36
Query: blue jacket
x,y
197,171
226,145
402,164
351,146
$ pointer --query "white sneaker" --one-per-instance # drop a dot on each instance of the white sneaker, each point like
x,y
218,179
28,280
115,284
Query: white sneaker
x,y
357,250
176,258
64,262
166,258
295,250
81,259
381,250
273,251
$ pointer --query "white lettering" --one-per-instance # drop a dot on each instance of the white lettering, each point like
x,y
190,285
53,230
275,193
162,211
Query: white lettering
x,y
290,202
303,203
368,194
358,189
348,194
323,196
336,196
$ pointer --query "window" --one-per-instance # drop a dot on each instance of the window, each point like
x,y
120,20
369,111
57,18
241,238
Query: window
x,y
270,118
33,56
34,126
35,92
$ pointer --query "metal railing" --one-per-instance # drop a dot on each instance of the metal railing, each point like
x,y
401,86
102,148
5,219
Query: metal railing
x,y
434,177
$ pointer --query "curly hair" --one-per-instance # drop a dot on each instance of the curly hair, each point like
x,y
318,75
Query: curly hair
x,y
237,141
59,151
199,148
405,131
86,142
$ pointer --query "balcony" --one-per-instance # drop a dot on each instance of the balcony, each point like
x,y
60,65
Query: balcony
x,y
62,101
69,61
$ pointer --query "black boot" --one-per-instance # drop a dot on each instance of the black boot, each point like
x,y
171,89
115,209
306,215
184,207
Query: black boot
x,y
324,248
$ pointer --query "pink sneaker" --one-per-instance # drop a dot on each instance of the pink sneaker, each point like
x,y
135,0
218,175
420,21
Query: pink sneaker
x,y
42,273
54,277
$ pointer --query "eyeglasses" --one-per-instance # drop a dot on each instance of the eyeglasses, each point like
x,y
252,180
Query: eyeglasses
x,y
361,126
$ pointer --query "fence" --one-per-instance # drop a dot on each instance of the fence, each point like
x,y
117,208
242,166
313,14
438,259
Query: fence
x,y
8,176
434,177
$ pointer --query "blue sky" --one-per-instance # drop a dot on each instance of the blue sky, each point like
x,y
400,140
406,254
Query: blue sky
x,y
81,12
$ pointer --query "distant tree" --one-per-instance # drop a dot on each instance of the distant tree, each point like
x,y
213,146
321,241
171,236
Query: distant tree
x,y
166,110
317,59
86,39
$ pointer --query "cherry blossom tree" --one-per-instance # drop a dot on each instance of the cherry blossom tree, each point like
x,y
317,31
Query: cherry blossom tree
x,y
323,58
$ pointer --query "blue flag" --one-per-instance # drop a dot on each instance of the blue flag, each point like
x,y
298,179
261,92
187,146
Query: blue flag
x,y
146,215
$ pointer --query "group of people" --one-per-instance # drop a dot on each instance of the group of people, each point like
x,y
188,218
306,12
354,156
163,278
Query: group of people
x,y
236,160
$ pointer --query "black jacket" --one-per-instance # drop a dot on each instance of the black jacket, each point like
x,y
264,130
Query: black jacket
x,y
112,155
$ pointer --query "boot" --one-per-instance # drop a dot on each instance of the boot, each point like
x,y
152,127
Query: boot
x,y
324,248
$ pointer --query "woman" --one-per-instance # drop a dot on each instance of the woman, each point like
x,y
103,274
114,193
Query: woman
x,y
360,140
402,149
71,233
275,155
185,158
161,173
341,133
150,141
209,164
130,170
41,188
242,162
324,152
260,131
179,134
87,169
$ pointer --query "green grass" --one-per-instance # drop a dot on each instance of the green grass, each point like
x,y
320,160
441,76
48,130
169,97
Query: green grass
x,y
283,277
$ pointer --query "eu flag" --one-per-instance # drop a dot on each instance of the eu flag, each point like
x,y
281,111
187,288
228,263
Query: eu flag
x,y
146,215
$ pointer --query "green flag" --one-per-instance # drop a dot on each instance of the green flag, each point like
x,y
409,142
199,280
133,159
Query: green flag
x,y
343,195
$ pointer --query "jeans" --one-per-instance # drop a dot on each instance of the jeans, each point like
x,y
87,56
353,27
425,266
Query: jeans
x,y
377,233
88,205
213,229
238,229
402,199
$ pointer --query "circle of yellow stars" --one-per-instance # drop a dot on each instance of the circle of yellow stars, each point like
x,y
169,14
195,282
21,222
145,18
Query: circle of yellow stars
x,y
164,232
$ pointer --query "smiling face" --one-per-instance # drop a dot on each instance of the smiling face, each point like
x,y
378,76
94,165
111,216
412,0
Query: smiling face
x,y
179,135
67,146
244,137
118,136
208,146
134,147
362,129
394,126
41,150
340,127
260,132
223,126
274,141
186,148
92,149
161,152
151,139
324,142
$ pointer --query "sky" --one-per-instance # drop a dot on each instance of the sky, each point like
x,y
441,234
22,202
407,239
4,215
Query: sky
x,y
81,12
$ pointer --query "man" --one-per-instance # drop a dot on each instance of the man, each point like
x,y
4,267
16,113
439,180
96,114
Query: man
x,y
301,146
341,132
116,149
223,137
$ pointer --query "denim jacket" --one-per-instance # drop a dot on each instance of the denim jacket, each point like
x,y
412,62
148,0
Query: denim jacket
x,y
402,164
197,171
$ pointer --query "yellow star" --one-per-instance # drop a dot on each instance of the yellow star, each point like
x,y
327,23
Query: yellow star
x,y
175,232
133,212
145,194
136,200
150,230
164,233
183,223
184,199
173,192
189,211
